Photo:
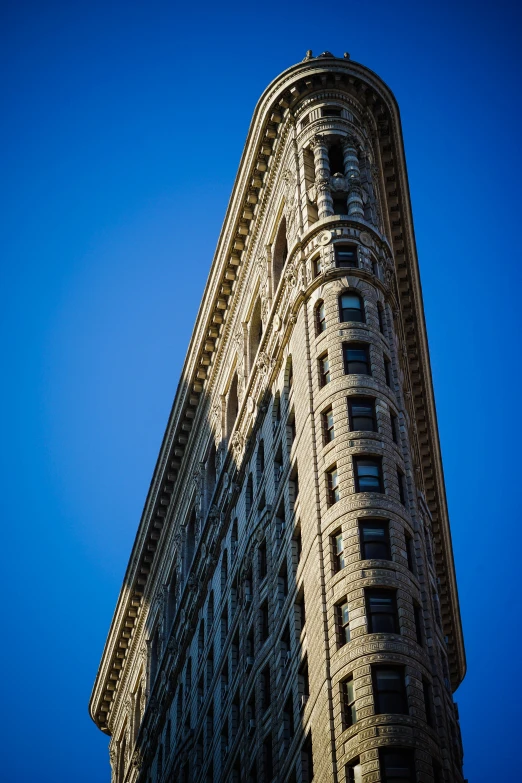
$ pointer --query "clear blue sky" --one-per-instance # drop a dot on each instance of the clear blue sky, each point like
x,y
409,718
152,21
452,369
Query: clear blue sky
x,y
123,125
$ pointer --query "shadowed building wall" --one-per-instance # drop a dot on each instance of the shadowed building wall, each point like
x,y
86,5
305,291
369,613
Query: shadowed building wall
x,y
289,611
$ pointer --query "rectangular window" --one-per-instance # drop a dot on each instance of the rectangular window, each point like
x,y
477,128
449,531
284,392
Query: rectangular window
x,y
330,111
381,611
356,359
394,421
402,487
268,763
343,623
410,552
338,548
349,714
307,761
340,206
361,413
262,568
263,622
428,704
368,474
324,370
380,315
375,540
419,624
396,765
346,256
353,772
387,372
389,690
328,426
332,478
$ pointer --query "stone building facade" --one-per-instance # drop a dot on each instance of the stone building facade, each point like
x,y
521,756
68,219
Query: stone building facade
x,y
289,612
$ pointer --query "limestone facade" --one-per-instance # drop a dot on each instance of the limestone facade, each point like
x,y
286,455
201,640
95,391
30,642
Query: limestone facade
x,y
289,612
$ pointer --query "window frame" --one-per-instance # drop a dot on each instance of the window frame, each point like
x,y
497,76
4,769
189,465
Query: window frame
x,y
385,523
353,400
377,592
348,708
342,620
356,346
359,458
333,487
324,376
320,322
402,691
338,249
328,428
361,309
410,764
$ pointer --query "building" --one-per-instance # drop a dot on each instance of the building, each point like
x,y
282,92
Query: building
x,y
290,611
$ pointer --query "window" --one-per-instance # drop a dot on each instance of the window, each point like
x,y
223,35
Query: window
x,y
260,460
291,426
332,479
320,317
324,370
340,207
381,611
387,372
263,622
428,703
266,691
343,623
351,307
316,266
268,763
396,766
380,316
356,359
328,426
402,488
255,333
368,474
349,714
279,254
394,422
375,540
276,410
335,152
361,413
346,256
353,772
307,761
232,406
419,624
262,568
288,717
338,549
410,552
389,690
305,120
330,111
249,495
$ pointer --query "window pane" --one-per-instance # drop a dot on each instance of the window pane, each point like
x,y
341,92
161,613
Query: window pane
x,y
339,544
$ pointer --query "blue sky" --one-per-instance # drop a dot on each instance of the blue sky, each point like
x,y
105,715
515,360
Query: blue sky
x,y
123,128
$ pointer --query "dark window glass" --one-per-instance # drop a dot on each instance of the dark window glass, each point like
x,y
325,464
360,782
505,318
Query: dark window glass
x,y
324,370
368,474
328,426
380,315
330,111
338,548
419,624
381,611
346,256
402,489
343,623
353,772
361,412
410,553
348,703
428,706
387,371
262,568
389,690
356,359
340,206
396,766
394,427
375,541
351,307
320,318
333,486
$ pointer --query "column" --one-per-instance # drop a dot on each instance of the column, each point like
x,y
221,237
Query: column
x,y
322,177
353,175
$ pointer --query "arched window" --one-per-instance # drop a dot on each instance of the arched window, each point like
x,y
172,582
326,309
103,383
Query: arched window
x,y
351,307
279,254
320,317
255,333
232,406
